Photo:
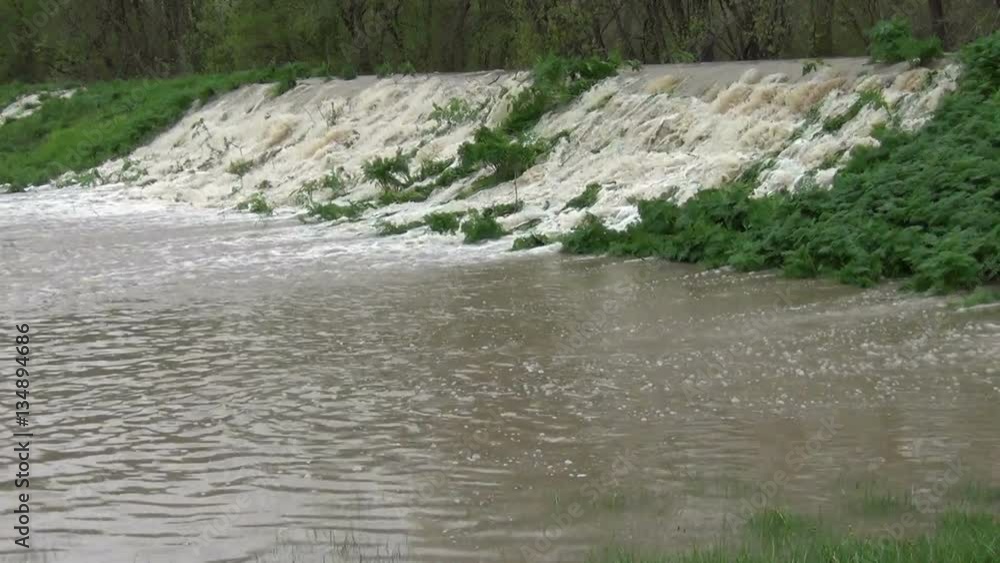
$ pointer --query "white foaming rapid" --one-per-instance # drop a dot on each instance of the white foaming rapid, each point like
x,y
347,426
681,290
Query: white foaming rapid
x,y
665,129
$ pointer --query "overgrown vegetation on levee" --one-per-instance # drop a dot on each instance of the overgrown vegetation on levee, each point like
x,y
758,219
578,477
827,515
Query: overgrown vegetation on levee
x,y
923,205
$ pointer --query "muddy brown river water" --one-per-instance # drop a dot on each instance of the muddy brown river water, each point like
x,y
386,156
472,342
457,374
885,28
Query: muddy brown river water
x,y
211,387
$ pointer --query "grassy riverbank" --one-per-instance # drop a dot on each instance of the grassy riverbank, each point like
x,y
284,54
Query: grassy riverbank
x,y
870,523
779,537
107,120
922,205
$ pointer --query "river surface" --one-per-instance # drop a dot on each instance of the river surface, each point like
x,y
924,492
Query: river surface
x,y
209,386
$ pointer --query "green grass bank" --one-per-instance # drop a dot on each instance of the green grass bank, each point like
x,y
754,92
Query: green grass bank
x,y
107,120
774,536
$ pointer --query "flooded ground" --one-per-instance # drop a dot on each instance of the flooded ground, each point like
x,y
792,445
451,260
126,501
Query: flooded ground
x,y
212,387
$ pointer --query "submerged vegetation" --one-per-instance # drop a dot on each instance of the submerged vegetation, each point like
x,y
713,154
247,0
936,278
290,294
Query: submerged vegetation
x,y
479,227
333,212
530,241
922,205
508,150
443,222
386,229
868,98
981,296
392,173
586,199
258,204
454,113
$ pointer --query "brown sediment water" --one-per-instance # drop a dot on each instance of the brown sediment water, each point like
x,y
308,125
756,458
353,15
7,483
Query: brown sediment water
x,y
218,388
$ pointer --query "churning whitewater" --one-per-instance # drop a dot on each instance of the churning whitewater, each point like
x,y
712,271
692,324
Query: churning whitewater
x,y
665,129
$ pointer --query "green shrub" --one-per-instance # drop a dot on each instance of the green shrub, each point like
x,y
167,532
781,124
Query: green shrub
x,y
981,296
981,73
478,227
506,156
442,222
454,174
590,236
347,71
892,41
556,81
811,66
530,241
454,113
431,168
384,70
334,212
586,199
867,98
389,229
682,57
392,173
405,196
285,84
406,68
258,204
335,182
240,167
503,209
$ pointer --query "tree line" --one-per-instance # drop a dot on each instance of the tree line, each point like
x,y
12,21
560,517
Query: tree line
x,y
116,39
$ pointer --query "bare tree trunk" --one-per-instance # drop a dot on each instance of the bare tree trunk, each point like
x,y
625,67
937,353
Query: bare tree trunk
x,y
937,19
822,28
458,46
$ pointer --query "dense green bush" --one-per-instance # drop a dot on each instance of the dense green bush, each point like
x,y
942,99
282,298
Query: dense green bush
x,y
347,71
386,229
506,149
390,172
586,199
442,222
528,242
284,84
503,209
456,112
478,227
892,41
333,211
258,204
556,81
240,167
924,205
506,156
865,99
409,195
